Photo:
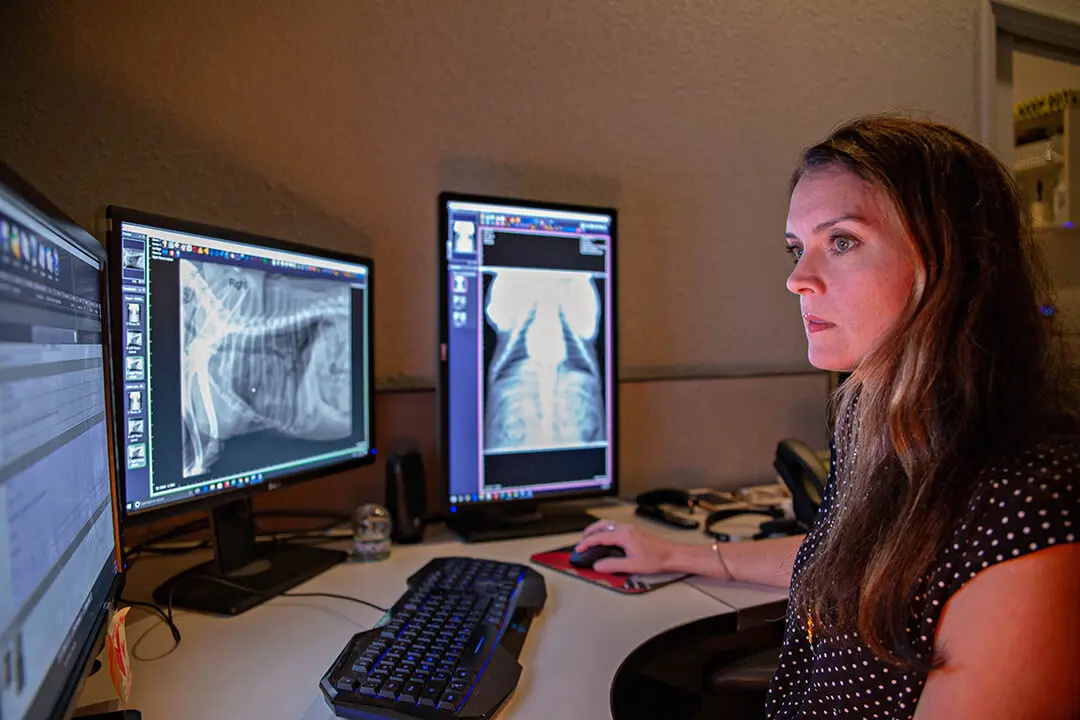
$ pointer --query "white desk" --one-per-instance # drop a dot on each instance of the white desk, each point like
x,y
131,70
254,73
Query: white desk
x,y
266,663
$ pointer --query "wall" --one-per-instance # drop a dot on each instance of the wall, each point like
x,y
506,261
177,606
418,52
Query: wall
x,y
337,123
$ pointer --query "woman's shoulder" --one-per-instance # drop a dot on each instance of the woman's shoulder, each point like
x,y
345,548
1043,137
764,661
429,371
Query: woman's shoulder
x,y
1026,501
1042,476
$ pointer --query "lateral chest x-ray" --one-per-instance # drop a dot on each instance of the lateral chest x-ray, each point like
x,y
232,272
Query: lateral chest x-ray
x,y
261,352
545,380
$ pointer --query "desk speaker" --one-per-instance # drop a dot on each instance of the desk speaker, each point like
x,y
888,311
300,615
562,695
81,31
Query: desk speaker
x,y
406,496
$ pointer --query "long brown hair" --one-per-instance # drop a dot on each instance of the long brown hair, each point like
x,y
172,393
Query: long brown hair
x,y
968,370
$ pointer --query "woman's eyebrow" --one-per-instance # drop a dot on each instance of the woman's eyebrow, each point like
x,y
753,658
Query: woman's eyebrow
x,y
821,227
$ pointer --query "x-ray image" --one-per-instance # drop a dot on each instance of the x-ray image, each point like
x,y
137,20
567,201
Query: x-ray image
x,y
460,301
134,341
136,456
261,352
134,402
134,259
544,354
464,237
136,427
134,313
135,368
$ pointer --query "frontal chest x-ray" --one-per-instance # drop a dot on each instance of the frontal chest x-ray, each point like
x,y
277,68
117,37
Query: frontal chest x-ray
x,y
261,351
544,354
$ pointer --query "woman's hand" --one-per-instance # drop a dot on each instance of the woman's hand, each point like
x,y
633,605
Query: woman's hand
x,y
645,552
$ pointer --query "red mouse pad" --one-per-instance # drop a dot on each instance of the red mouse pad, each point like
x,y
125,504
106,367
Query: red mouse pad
x,y
634,584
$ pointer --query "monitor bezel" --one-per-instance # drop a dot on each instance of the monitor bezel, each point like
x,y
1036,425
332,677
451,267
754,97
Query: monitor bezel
x,y
66,688
442,400
115,216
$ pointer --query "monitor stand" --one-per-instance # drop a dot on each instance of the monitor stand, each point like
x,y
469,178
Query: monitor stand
x,y
517,520
243,573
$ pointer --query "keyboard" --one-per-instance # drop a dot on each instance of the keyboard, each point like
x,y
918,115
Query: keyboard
x,y
448,647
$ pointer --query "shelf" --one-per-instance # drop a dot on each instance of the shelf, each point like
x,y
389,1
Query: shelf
x,y
1023,167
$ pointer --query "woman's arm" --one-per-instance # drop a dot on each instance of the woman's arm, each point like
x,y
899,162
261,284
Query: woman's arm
x,y
765,562
1011,643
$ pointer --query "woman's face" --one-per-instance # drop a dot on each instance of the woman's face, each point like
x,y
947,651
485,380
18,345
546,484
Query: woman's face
x,y
854,266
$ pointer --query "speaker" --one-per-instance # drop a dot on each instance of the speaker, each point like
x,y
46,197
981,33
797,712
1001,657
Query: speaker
x,y
406,496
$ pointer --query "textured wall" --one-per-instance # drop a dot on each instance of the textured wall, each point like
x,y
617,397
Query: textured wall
x,y
336,122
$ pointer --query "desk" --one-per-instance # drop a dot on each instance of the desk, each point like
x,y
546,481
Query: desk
x,y
266,663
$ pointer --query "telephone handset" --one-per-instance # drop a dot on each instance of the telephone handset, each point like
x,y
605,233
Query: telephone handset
x,y
805,477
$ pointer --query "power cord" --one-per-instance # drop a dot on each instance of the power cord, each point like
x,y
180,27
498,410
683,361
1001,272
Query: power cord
x,y
166,614
166,617
243,588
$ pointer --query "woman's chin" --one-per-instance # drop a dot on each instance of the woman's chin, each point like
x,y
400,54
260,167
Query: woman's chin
x,y
822,359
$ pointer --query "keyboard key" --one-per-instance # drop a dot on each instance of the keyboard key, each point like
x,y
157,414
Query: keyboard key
x,y
390,690
346,683
411,692
450,700
432,694
370,688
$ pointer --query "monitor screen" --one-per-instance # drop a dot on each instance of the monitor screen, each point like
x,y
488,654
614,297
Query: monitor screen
x,y
246,360
527,315
57,537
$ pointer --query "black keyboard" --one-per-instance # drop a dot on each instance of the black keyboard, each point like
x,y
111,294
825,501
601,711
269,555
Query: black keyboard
x,y
447,648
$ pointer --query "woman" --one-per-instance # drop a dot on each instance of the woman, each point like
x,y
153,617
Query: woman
x,y
942,576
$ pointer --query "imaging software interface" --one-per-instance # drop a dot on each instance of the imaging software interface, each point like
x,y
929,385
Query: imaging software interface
x,y
529,308
242,363
56,523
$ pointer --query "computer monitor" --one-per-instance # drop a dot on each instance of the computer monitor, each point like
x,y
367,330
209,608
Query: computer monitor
x,y
528,395
247,365
59,574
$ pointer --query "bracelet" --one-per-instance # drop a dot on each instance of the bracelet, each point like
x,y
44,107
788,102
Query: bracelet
x,y
720,557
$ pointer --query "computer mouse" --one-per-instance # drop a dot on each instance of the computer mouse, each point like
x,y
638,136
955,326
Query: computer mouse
x,y
587,557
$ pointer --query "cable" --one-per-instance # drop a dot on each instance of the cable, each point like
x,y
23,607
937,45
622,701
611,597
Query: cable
x,y
243,588
166,617
339,597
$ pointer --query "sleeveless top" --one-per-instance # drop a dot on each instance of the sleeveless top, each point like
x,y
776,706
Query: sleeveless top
x,y
1019,509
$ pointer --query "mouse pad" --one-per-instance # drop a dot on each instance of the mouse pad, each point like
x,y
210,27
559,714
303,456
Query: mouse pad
x,y
559,559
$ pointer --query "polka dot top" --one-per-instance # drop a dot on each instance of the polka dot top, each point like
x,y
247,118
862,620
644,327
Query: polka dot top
x,y
1020,509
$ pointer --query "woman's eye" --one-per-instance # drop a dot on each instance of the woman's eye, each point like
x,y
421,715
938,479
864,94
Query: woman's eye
x,y
843,244
795,251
